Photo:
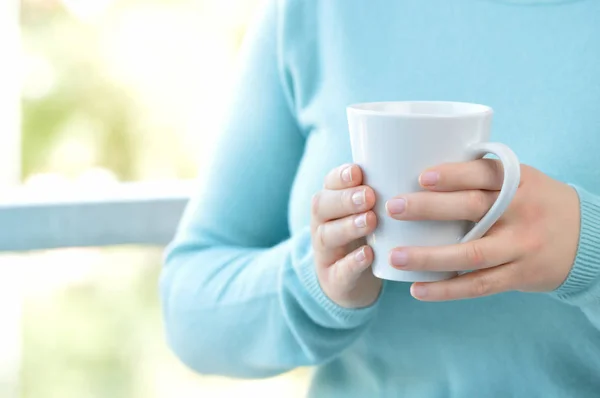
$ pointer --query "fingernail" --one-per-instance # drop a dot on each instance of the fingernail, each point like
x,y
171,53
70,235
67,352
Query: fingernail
x,y
396,206
359,198
360,256
429,178
360,221
418,291
347,174
399,258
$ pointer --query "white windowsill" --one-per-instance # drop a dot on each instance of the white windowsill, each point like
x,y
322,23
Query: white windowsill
x,y
118,214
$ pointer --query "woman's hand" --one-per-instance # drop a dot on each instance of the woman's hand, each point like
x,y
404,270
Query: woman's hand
x,y
531,248
341,218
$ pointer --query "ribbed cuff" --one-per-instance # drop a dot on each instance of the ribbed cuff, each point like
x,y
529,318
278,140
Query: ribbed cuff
x,y
585,274
320,307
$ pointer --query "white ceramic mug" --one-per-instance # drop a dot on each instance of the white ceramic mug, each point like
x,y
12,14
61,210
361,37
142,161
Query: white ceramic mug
x,y
394,142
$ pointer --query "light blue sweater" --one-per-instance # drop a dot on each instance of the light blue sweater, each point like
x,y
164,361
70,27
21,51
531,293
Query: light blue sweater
x,y
239,289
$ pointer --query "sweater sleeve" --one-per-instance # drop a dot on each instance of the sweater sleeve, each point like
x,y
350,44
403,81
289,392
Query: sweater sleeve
x,y
582,287
239,294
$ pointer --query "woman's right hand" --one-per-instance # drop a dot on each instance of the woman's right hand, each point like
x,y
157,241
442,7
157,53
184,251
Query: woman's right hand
x,y
341,218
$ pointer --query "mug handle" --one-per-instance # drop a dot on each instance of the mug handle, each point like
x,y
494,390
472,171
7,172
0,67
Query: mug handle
x,y
512,178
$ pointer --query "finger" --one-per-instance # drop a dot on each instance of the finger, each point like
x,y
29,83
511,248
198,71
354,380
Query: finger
x,y
331,205
460,205
485,174
475,284
341,232
344,176
347,271
486,252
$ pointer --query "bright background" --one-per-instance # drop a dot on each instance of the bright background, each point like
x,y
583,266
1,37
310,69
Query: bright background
x,y
113,90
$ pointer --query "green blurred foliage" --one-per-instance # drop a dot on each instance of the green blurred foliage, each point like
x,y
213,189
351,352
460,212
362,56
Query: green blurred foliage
x,y
92,339
81,88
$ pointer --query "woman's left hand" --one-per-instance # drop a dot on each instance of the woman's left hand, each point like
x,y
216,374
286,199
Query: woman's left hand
x,y
531,248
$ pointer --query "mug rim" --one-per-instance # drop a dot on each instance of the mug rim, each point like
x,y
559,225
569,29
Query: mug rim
x,y
367,108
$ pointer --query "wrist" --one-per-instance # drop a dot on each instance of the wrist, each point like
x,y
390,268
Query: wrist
x,y
584,276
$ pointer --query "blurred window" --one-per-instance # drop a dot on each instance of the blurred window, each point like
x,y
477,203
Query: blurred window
x,y
111,91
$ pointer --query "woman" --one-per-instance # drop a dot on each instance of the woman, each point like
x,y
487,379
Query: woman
x,y
260,279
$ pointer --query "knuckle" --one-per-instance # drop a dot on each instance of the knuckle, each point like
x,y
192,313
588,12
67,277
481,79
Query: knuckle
x,y
319,236
482,286
477,201
475,255
532,243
